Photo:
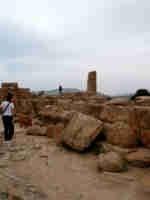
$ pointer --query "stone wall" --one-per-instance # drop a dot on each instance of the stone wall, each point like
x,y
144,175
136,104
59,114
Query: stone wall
x,y
22,96
12,85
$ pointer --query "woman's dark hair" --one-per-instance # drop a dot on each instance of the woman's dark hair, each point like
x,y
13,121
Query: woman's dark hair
x,y
8,98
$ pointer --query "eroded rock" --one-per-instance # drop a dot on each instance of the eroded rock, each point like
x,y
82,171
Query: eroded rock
x,y
36,131
140,158
81,131
111,162
106,147
121,134
145,138
55,131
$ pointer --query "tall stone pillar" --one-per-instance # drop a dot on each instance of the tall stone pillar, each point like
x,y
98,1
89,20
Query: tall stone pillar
x,y
92,86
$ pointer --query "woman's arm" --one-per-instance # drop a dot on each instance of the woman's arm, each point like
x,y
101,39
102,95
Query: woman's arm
x,y
13,110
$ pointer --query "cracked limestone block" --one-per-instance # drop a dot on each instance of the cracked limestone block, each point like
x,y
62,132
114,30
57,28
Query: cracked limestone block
x,y
81,131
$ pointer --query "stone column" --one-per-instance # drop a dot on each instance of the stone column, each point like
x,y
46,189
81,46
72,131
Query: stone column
x,y
92,86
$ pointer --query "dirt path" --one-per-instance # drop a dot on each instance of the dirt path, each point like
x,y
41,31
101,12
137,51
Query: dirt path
x,y
67,175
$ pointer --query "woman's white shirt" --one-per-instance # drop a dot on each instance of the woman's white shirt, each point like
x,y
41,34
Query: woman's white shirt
x,y
8,111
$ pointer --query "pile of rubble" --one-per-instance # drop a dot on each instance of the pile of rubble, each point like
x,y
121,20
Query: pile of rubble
x,y
78,119
78,123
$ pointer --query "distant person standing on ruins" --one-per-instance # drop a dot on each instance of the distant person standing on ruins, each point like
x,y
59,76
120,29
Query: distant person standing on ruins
x,y
60,89
7,111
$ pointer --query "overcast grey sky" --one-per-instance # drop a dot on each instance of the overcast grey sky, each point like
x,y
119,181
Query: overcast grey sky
x,y
44,43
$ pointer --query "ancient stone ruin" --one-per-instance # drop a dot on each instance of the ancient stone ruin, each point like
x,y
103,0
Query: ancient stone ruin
x,y
92,87
22,96
119,129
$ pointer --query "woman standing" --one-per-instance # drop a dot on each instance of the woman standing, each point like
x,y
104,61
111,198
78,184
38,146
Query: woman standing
x,y
7,108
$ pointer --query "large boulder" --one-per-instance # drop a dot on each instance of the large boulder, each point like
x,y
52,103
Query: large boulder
x,y
140,158
120,134
111,162
81,131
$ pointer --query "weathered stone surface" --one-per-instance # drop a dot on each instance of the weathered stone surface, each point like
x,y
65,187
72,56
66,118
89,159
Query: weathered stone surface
x,y
145,137
56,117
112,162
64,101
25,192
24,105
140,158
19,156
50,130
55,131
37,122
22,97
120,134
36,130
142,100
23,120
79,106
97,99
81,131
118,113
92,82
145,182
143,116
119,101
106,147
59,129
93,110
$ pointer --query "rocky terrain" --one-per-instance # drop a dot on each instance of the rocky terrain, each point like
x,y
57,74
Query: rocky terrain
x,y
76,146
79,147
34,167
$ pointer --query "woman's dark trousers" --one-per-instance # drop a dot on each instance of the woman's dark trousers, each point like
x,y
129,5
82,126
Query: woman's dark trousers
x,y
8,127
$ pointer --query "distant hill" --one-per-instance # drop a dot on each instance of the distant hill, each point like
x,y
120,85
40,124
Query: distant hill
x,y
65,90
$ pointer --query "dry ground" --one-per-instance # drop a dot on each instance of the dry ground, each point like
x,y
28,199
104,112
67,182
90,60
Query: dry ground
x,y
67,175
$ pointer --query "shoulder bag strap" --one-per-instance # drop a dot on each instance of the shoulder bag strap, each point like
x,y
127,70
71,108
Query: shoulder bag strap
x,y
5,108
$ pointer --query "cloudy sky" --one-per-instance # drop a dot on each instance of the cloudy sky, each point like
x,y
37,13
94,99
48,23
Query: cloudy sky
x,y
44,43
